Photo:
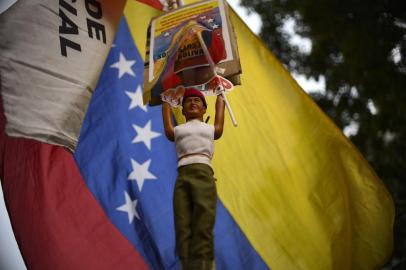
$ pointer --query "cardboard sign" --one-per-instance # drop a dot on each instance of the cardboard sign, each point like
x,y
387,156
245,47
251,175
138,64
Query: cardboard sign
x,y
175,56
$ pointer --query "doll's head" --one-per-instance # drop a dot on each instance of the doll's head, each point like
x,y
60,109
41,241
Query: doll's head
x,y
193,104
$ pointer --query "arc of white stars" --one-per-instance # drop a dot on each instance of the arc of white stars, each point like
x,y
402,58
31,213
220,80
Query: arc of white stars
x,y
136,99
141,173
145,134
129,207
124,66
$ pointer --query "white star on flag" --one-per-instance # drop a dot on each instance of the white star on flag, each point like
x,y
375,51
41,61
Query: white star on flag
x,y
215,26
167,34
129,207
203,17
140,172
136,99
124,66
145,134
210,20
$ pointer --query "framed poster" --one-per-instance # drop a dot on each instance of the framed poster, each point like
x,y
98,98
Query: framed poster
x,y
175,56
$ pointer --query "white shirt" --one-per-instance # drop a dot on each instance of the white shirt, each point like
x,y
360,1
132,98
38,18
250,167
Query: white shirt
x,y
194,142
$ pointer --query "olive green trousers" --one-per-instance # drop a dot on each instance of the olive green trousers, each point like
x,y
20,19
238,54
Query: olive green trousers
x,y
194,203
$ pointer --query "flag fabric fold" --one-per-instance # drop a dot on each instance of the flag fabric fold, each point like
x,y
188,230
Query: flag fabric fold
x,y
57,222
294,193
51,55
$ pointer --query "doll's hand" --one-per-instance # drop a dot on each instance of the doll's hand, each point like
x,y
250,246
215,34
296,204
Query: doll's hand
x,y
173,96
218,85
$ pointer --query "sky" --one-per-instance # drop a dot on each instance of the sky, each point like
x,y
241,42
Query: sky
x,y
4,4
10,257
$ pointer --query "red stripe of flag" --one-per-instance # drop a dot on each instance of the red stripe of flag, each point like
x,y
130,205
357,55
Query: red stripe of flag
x,y
57,222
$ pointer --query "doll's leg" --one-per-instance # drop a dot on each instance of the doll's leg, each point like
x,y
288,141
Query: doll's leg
x,y
204,196
182,215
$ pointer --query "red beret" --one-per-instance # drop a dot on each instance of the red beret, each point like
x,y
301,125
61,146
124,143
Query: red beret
x,y
193,92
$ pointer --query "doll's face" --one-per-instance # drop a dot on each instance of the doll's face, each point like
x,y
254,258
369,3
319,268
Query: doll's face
x,y
193,108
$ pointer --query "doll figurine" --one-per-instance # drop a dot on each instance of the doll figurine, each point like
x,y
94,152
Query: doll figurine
x,y
195,195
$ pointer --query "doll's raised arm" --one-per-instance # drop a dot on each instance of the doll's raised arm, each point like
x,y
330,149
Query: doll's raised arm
x,y
219,118
168,124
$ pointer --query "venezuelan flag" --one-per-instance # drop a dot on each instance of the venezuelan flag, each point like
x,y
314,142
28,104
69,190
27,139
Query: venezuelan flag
x,y
294,192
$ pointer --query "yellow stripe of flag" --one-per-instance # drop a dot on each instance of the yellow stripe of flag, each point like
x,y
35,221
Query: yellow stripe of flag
x,y
300,191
